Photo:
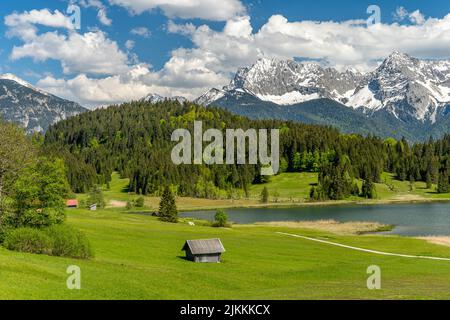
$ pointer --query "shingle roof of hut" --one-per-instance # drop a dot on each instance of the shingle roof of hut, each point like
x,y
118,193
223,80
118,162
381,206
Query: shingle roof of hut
x,y
207,246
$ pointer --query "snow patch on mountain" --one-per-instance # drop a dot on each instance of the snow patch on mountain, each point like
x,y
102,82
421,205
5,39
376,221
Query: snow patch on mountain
x,y
402,85
289,98
10,76
155,98
31,108
364,97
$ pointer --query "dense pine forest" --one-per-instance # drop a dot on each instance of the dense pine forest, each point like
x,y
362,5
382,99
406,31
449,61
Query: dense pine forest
x,y
135,140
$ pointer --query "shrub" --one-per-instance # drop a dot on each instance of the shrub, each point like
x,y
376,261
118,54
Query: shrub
x,y
3,230
221,219
28,240
68,242
129,205
96,197
265,195
139,202
58,240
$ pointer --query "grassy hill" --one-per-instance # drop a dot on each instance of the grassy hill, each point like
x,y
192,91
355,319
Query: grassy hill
x,y
138,257
285,189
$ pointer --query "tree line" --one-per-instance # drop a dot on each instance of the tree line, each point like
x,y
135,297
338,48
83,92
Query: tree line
x,y
135,140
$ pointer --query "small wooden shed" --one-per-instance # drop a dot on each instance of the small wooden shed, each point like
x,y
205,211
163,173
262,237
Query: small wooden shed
x,y
72,203
209,250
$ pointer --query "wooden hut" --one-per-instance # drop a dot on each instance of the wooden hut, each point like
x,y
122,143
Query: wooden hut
x,y
209,250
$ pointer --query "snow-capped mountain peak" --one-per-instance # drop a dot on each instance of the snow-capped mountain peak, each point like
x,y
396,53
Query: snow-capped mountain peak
x,y
33,109
13,77
155,98
402,85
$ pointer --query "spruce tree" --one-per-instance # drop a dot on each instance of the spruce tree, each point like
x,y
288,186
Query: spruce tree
x,y
368,189
167,208
443,186
265,195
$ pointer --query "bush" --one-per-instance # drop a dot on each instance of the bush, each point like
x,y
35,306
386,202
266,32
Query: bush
x,y
96,197
139,202
69,242
265,195
3,231
58,240
221,219
28,240
129,205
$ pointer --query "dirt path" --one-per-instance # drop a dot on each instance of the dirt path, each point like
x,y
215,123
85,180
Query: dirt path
x,y
117,204
440,240
364,250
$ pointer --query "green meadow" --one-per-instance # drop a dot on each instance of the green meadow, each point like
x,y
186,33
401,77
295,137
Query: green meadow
x,y
138,257
285,189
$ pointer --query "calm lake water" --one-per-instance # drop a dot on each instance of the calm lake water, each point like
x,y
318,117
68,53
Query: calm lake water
x,y
409,219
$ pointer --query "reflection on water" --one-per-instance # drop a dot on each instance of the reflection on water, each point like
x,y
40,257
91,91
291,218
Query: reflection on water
x,y
409,219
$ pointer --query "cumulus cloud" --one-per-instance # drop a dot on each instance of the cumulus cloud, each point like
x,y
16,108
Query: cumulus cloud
x,y
141,31
415,17
340,44
24,24
178,78
184,29
216,54
92,92
91,52
42,17
216,10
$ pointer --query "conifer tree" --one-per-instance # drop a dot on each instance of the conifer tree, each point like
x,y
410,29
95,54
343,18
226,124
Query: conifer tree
x,y
443,186
368,189
167,208
265,195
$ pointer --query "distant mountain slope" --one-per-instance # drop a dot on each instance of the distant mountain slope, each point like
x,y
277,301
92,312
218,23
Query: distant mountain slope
x,y
155,98
33,109
404,96
323,112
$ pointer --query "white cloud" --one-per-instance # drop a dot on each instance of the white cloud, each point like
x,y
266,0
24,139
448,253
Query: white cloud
x,y
184,29
178,78
129,44
217,10
102,12
216,54
400,13
103,18
415,17
141,31
341,44
91,52
95,92
40,17
23,24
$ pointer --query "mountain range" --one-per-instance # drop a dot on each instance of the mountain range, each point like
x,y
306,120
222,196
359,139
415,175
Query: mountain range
x,y
32,108
403,96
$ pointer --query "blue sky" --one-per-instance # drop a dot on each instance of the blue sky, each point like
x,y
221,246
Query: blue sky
x,y
128,48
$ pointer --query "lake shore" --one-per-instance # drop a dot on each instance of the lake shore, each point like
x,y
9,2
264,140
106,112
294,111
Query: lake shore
x,y
207,204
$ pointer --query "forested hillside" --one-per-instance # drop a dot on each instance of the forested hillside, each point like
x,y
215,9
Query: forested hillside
x,y
134,139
